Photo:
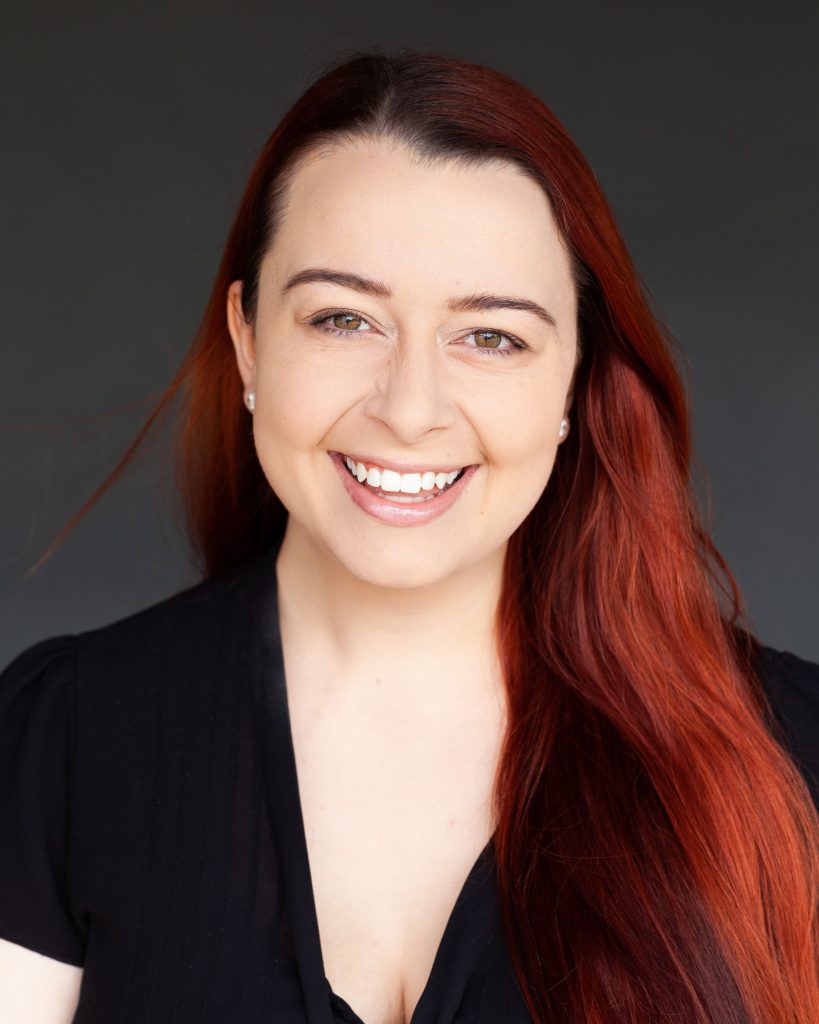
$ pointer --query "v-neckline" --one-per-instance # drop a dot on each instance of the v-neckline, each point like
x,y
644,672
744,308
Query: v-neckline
x,y
469,927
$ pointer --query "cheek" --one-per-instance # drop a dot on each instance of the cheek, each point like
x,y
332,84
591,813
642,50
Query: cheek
x,y
297,404
521,469
284,423
519,424
299,401
519,438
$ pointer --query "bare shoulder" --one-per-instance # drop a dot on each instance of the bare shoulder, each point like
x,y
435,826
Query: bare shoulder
x,y
36,989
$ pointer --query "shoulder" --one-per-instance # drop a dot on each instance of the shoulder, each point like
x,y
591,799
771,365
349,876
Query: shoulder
x,y
791,684
142,645
94,728
37,694
48,663
36,688
186,610
51,689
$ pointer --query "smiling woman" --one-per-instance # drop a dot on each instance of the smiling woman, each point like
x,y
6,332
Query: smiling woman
x,y
460,724
410,385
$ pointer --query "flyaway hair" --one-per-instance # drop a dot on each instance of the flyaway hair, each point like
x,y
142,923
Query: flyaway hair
x,y
656,846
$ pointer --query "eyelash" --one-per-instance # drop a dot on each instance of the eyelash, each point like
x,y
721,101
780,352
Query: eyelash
x,y
517,344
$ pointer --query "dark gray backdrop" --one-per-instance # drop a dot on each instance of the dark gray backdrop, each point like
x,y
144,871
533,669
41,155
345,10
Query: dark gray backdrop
x,y
128,136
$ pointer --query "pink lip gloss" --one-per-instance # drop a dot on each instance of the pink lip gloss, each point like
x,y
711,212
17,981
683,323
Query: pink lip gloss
x,y
397,513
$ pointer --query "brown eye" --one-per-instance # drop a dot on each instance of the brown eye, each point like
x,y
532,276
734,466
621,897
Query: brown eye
x,y
495,343
348,321
488,339
341,322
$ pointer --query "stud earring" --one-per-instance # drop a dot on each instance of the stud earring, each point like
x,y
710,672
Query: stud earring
x,y
250,400
564,426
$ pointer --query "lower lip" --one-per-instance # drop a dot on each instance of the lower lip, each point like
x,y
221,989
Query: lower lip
x,y
395,514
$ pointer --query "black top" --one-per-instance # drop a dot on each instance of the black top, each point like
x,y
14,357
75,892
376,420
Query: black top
x,y
151,830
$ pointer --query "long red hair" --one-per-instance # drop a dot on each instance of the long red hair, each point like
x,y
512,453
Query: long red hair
x,y
656,846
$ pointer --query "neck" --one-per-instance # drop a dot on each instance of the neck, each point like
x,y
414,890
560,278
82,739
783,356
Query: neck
x,y
436,640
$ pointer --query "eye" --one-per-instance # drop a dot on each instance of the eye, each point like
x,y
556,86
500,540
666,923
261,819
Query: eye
x,y
347,316
490,342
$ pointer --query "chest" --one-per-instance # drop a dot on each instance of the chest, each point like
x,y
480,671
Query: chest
x,y
395,816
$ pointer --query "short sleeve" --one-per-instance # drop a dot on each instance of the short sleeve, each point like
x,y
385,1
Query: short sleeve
x,y
36,729
792,686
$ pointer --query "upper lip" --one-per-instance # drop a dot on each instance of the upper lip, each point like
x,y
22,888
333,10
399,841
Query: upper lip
x,y
404,467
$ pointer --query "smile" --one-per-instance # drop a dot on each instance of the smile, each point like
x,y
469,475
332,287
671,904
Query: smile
x,y
401,487
401,499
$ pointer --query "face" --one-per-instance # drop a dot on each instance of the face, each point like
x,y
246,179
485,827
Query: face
x,y
389,359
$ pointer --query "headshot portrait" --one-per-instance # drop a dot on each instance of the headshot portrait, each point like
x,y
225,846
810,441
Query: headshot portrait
x,y
471,674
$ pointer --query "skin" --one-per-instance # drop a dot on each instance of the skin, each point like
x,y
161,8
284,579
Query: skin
x,y
410,386
389,658
36,989
395,693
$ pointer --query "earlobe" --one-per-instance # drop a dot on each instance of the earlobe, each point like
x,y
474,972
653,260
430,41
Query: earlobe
x,y
241,333
565,423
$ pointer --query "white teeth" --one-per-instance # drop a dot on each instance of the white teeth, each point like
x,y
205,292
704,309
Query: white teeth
x,y
391,482
410,483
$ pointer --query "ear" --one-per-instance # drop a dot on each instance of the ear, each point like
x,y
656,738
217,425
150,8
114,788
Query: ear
x,y
567,405
242,335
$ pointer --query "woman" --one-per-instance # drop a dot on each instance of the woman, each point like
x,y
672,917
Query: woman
x,y
457,726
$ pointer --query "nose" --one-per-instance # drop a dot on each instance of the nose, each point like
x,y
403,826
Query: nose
x,y
409,394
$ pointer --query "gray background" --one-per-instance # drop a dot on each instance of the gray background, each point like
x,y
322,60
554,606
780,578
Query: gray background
x,y
128,136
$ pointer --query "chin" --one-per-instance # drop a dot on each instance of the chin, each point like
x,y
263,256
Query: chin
x,y
407,560
397,573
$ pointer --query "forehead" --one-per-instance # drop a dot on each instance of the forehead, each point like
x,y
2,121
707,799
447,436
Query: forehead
x,y
373,208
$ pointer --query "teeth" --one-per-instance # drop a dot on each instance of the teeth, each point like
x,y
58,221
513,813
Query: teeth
x,y
390,482
406,499
410,483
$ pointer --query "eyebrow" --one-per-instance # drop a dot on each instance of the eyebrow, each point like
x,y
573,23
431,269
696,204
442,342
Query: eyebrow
x,y
467,303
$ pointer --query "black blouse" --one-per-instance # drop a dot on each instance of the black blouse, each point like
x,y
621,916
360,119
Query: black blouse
x,y
151,830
